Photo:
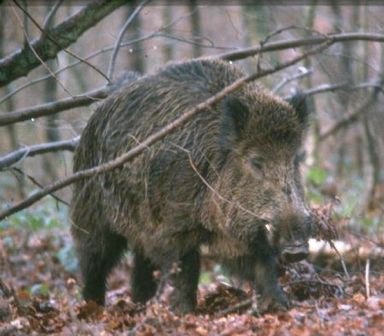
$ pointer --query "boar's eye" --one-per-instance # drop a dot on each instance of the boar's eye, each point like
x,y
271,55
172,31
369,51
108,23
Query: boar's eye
x,y
257,163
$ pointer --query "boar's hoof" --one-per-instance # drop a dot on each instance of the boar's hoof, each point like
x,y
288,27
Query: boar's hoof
x,y
278,302
182,306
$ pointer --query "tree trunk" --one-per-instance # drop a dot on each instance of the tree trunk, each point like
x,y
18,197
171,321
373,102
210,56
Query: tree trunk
x,y
9,106
195,27
136,55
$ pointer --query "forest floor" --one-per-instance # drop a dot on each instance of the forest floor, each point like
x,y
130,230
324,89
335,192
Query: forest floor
x,y
40,295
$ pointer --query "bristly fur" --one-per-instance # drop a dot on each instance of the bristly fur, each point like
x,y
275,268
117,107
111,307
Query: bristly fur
x,y
195,187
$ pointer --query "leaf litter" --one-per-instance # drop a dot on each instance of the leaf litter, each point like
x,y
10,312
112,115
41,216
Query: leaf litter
x,y
40,295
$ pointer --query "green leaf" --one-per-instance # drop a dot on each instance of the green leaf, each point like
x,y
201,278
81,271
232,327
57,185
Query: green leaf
x,y
39,289
205,278
316,175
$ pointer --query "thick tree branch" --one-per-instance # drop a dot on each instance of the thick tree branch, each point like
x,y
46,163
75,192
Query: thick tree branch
x,y
287,44
16,156
54,107
27,42
171,127
53,40
19,63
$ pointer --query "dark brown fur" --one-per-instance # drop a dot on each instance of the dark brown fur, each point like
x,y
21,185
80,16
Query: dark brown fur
x,y
221,181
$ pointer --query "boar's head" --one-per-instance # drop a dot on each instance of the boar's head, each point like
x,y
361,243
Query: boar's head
x,y
260,180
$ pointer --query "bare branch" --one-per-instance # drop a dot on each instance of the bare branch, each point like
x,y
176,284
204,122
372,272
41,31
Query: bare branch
x,y
154,34
120,37
367,286
211,44
46,33
104,50
14,157
34,181
235,308
348,119
54,107
22,61
302,73
68,66
27,42
51,15
340,86
376,85
150,140
328,88
287,44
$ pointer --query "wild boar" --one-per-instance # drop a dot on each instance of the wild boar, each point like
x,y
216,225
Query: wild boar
x,y
229,180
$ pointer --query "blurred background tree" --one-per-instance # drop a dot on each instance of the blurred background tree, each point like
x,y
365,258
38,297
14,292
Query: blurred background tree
x,y
58,59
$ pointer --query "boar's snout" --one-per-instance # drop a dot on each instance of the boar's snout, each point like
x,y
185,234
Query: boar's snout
x,y
295,231
295,252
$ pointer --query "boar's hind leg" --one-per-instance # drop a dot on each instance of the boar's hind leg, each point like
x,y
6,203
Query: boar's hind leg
x,y
98,254
142,281
185,281
272,295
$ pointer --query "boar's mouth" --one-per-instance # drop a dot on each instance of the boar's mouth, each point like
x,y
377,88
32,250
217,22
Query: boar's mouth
x,y
294,253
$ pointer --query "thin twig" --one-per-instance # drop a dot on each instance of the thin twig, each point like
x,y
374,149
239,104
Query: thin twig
x,y
323,88
9,292
5,289
15,157
235,308
343,265
116,49
270,36
367,285
51,15
35,182
327,88
213,190
211,44
348,119
302,73
150,140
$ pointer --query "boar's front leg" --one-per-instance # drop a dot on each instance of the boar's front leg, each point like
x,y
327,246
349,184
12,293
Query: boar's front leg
x,y
98,253
259,266
266,282
143,283
185,280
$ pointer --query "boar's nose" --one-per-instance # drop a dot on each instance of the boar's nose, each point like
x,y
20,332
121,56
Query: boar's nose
x,y
294,253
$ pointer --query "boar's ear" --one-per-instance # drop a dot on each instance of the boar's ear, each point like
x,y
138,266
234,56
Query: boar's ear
x,y
234,119
299,102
